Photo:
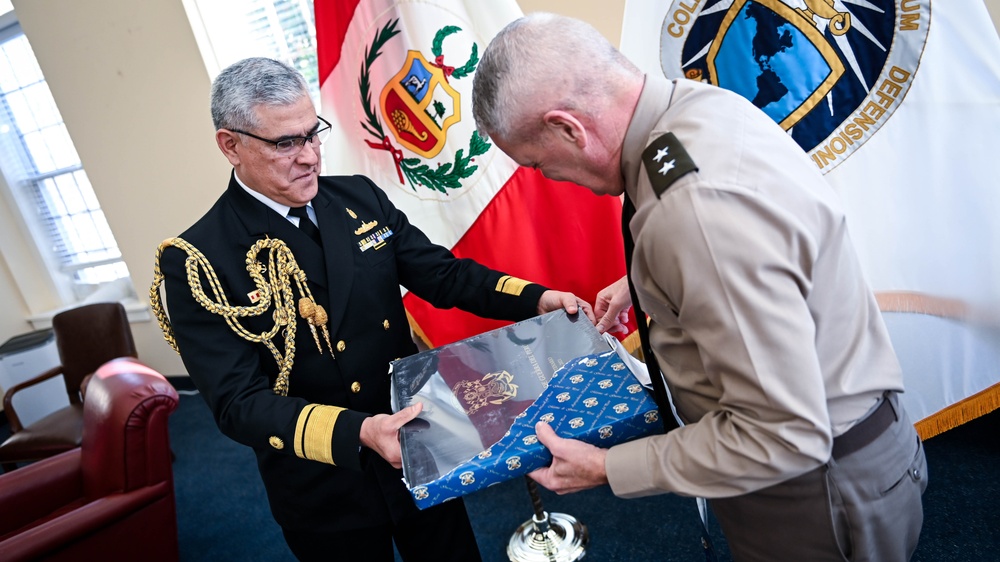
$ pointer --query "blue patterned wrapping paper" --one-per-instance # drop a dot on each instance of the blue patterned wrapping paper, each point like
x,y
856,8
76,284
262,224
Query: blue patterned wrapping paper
x,y
594,398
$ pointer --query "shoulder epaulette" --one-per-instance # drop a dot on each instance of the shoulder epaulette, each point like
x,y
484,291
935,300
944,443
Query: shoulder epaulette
x,y
666,161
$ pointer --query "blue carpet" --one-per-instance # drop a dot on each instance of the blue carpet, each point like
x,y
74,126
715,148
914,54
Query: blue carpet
x,y
223,513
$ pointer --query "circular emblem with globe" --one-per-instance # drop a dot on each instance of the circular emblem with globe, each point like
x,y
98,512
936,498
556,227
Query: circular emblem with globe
x,y
811,65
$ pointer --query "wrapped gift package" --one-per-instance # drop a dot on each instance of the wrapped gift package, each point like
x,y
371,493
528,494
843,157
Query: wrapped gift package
x,y
483,396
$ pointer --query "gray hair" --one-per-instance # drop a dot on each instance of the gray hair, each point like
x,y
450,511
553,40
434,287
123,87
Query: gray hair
x,y
244,85
542,62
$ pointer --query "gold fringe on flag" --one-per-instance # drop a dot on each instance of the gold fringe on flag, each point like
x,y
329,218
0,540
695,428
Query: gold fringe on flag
x,y
919,303
970,408
632,345
423,343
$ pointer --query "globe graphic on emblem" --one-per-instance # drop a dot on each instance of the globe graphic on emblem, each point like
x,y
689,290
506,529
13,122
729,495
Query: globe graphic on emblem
x,y
787,66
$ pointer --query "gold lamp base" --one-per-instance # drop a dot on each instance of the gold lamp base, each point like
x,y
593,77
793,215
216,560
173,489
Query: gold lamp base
x,y
555,537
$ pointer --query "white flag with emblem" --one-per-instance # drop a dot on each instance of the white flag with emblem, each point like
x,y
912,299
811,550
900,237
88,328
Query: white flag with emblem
x,y
898,103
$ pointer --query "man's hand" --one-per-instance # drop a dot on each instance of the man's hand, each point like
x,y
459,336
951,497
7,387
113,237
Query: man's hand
x,y
575,465
554,300
612,306
380,433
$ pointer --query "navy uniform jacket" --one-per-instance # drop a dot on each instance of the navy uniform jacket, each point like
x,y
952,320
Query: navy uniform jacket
x,y
343,488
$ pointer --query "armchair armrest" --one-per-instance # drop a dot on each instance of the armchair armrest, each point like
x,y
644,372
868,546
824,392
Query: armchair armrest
x,y
8,399
38,490
85,520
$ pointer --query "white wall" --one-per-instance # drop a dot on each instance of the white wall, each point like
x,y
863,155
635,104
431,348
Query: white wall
x,y
605,16
133,91
15,310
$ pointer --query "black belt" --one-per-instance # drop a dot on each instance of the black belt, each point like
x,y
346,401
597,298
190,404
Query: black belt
x,y
865,431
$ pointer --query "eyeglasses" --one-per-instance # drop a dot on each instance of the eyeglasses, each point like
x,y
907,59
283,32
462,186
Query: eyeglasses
x,y
286,146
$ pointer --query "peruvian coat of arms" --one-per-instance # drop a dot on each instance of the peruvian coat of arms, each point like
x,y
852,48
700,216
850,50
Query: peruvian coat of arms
x,y
415,109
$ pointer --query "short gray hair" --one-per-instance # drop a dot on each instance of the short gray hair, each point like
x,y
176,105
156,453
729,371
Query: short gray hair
x,y
538,63
246,84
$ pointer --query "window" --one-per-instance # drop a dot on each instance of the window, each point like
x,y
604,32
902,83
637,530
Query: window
x,y
47,180
231,30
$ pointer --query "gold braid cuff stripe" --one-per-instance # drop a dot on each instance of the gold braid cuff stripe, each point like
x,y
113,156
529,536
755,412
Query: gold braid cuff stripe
x,y
314,432
511,285
277,287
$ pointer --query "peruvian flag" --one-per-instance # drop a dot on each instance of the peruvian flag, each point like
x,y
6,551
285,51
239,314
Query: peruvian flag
x,y
396,82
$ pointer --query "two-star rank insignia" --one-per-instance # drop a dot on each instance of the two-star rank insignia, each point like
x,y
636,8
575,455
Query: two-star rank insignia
x,y
666,161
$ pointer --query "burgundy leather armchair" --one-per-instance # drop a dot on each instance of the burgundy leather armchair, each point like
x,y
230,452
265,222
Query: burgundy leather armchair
x,y
112,498
86,337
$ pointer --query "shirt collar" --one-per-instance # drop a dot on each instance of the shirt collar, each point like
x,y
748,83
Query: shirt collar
x,y
653,102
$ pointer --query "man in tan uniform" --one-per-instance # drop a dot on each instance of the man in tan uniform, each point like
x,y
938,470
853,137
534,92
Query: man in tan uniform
x,y
769,339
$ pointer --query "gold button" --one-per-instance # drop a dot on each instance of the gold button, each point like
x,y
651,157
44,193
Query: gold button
x,y
355,387
385,324
276,442
341,346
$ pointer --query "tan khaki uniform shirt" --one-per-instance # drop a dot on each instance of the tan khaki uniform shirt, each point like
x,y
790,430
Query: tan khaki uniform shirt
x,y
768,336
